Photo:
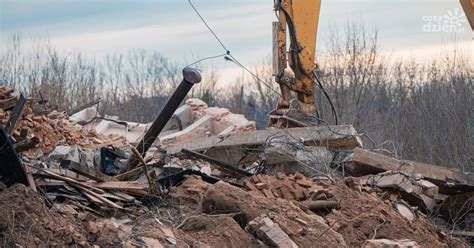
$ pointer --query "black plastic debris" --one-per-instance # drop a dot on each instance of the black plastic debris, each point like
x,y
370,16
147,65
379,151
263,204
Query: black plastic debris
x,y
11,168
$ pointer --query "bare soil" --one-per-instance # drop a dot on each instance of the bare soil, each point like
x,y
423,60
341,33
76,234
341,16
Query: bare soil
x,y
364,216
26,221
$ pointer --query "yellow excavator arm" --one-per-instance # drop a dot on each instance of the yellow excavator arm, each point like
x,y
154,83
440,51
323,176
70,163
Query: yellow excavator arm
x,y
468,6
298,21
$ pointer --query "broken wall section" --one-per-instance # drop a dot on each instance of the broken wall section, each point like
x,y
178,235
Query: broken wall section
x,y
193,120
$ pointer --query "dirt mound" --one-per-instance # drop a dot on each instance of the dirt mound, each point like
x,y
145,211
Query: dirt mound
x,y
304,229
360,216
26,221
216,231
364,216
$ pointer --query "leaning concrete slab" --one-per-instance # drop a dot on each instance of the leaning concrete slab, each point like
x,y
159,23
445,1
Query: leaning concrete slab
x,y
450,181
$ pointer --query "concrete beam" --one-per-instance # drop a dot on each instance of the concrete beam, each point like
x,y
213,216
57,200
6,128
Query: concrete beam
x,y
244,147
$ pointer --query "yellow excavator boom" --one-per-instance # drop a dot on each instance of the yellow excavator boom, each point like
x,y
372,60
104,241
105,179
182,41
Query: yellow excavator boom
x,y
468,6
299,20
298,23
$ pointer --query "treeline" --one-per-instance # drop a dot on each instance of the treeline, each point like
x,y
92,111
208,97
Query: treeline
x,y
418,111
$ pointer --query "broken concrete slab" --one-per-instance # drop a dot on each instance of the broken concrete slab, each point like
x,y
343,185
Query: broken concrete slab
x,y
429,189
449,181
405,185
151,242
72,153
208,121
271,232
198,129
244,148
181,119
394,180
132,131
84,116
177,129
386,243
222,118
309,160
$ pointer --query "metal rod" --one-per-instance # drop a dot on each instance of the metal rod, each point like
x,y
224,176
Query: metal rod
x,y
190,77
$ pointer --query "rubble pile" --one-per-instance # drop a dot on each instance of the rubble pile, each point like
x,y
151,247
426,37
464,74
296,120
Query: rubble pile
x,y
369,213
55,129
192,120
210,179
45,131
292,187
7,98
222,117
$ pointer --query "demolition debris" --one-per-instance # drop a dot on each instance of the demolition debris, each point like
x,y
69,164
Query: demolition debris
x,y
201,176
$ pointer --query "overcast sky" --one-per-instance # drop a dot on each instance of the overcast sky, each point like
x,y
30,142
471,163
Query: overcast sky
x,y
171,27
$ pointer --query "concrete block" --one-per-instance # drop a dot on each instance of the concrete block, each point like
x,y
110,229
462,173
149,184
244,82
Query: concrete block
x,y
198,129
386,243
132,131
271,232
181,119
429,188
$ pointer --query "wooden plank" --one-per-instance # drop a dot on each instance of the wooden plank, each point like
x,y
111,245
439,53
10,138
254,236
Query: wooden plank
x,y
94,196
138,193
31,180
114,185
449,180
71,181
86,189
51,184
240,148
460,233
116,197
15,115
124,196
131,173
